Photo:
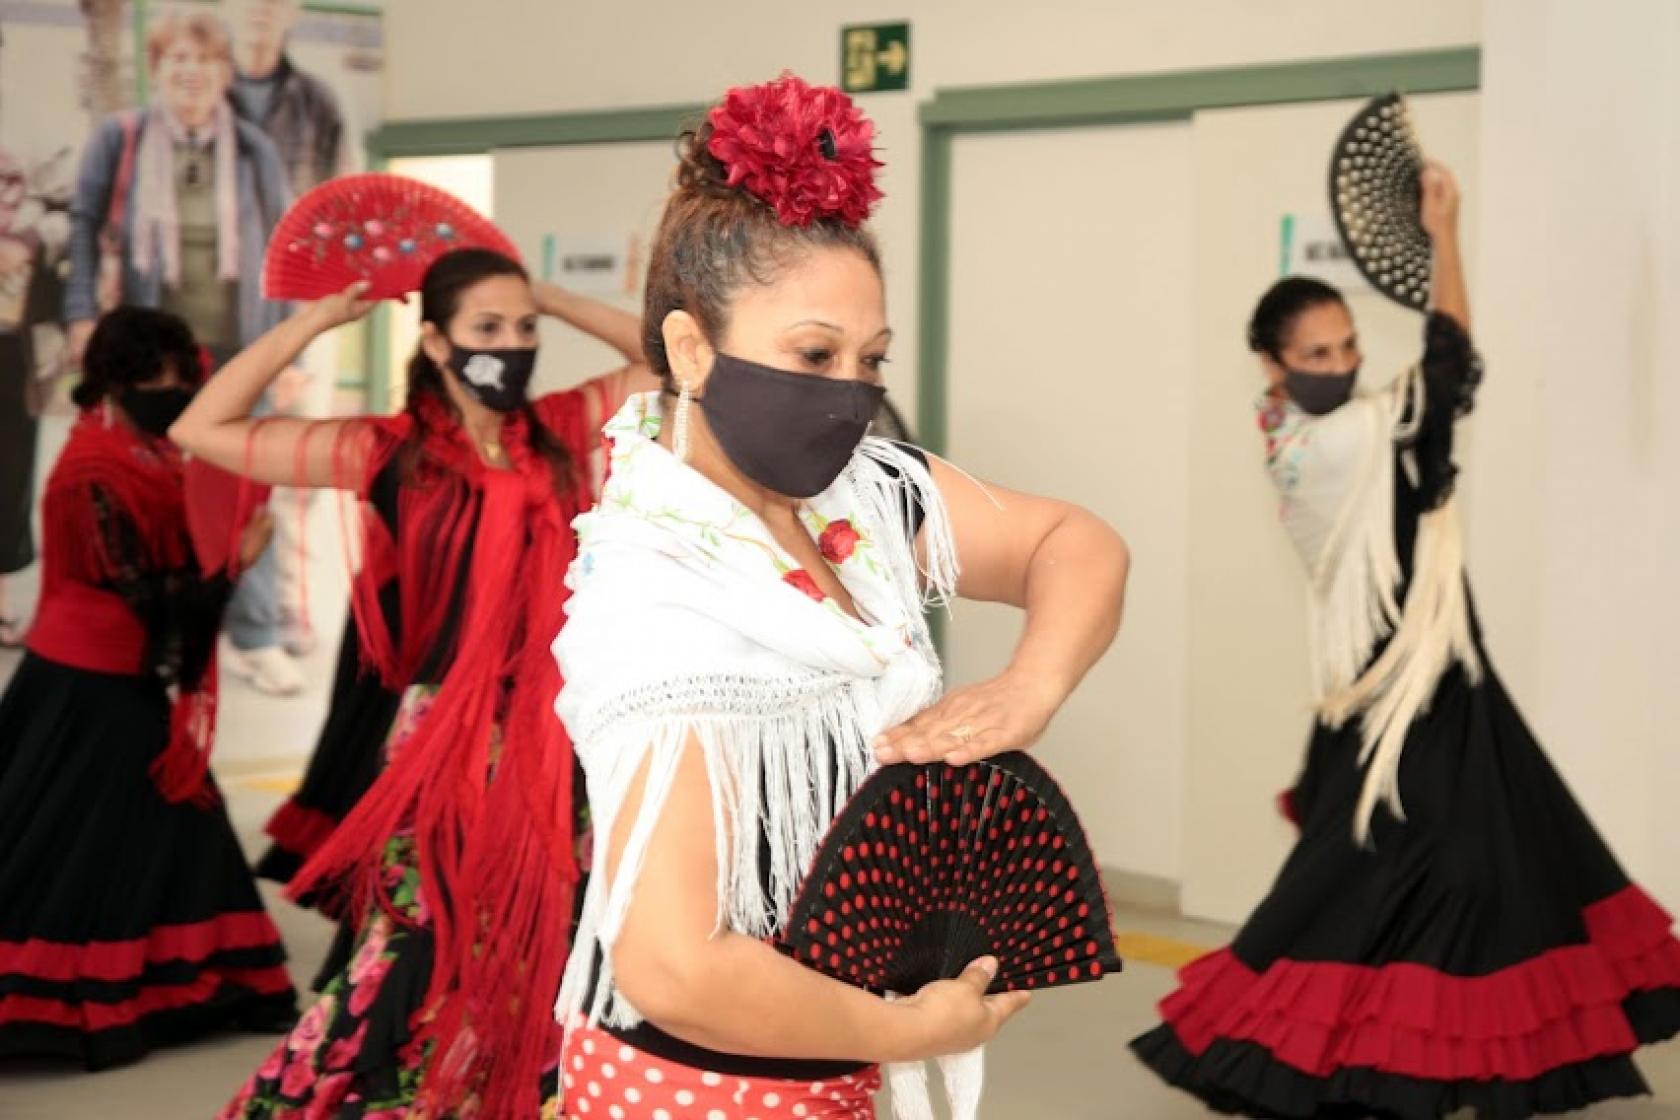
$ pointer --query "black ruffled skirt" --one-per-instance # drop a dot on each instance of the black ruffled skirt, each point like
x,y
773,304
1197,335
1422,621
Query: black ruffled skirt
x,y
125,921
348,757
1486,953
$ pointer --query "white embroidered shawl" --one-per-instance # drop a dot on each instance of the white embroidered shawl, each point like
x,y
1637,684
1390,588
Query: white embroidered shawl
x,y
687,619
1335,474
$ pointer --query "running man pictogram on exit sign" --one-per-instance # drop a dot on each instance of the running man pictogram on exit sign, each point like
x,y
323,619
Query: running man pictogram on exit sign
x,y
875,57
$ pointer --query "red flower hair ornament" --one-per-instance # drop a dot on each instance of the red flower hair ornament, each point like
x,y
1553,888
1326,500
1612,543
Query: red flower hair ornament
x,y
806,151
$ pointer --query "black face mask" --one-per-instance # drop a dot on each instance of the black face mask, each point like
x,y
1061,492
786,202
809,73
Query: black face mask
x,y
496,379
1319,393
789,432
154,410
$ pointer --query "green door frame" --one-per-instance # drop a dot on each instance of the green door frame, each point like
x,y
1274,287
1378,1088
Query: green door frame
x,y
1143,98
460,136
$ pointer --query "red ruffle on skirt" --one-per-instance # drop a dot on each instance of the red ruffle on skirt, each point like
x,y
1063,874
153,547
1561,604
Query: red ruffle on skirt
x,y
125,961
1557,1009
299,829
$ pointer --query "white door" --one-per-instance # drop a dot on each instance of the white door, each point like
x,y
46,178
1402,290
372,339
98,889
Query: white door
x,y
1069,376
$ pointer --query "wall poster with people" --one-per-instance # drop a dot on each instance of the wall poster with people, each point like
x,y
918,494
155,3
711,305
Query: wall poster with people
x,y
147,148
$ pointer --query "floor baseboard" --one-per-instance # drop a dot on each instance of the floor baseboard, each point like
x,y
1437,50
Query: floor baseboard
x,y
1146,892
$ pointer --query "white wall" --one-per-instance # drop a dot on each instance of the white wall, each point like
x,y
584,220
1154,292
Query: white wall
x,y
542,56
1070,362
1582,405
1575,447
1072,279
1663,789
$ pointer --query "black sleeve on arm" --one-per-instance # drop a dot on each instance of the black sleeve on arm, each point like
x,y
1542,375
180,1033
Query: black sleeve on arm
x,y
915,512
180,610
1452,371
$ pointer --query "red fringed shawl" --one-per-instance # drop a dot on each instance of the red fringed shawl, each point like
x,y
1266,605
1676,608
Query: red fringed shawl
x,y
492,816
81,622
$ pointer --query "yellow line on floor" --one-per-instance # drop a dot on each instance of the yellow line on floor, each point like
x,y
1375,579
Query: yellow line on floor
x,y
1132,945
268,784
1150,949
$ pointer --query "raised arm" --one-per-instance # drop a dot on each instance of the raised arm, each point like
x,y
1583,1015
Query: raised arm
x,y
218,428
619,329
732,993
606,394
1061,564
1448,292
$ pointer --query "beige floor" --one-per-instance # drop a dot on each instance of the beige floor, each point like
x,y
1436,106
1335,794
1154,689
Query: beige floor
x,y
1064,1058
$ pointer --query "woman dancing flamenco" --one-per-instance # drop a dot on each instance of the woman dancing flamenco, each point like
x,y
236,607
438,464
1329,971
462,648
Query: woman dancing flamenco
x,y
465,856
747,640
350,751
127,915
1449,931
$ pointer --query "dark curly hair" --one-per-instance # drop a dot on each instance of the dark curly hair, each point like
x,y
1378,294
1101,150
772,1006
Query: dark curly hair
x,y
134,345
714,239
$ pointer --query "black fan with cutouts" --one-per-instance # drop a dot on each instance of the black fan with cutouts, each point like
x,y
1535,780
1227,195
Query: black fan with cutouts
x,y
1376,195
929,867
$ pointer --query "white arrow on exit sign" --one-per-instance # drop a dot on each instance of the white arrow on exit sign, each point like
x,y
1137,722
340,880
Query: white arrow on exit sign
x,y
894,58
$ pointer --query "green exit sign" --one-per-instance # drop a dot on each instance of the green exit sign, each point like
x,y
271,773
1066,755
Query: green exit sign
x,y
875,57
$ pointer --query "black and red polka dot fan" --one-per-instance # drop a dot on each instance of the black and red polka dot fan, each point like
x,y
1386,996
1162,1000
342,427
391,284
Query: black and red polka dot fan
x,y
929,867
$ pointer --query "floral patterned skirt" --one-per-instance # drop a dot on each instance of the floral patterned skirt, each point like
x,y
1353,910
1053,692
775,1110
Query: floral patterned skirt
x,y
353,1055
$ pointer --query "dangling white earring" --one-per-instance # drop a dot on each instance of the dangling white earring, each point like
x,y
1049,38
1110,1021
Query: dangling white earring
x,y
105,407
679,439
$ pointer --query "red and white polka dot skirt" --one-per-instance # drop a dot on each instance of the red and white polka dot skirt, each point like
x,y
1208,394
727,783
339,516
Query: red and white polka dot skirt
x,y
603,1079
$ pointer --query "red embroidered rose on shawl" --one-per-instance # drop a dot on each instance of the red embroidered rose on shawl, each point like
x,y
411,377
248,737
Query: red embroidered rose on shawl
x,y
838,541
801,580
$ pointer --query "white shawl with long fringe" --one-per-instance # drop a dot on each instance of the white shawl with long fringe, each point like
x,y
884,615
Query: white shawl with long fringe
x,y
687,622
1335,474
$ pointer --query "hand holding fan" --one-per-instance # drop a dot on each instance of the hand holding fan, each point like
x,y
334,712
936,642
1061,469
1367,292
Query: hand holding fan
x,y
219,506
932,866
1376,197
379,228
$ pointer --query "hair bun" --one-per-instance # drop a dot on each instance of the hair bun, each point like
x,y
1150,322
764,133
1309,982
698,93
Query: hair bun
x,y
698,169
805,151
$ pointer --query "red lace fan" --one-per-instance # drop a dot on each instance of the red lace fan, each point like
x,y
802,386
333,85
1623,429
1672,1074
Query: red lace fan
x,y
219,506
384,229
930,867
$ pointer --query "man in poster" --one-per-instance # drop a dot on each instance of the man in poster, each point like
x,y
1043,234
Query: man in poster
x,y
299,111
301,114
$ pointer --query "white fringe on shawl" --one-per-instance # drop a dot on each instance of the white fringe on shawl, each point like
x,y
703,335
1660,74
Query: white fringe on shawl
x,y
1336,474
680,629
